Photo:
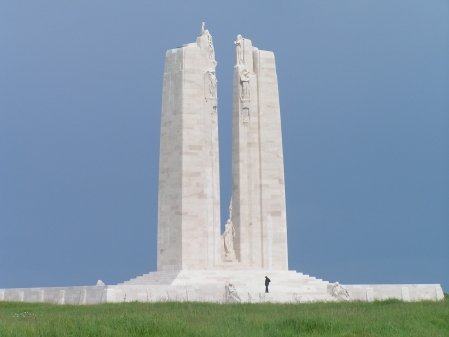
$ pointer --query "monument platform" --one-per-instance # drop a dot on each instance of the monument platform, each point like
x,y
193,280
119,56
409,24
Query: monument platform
x,y
224,286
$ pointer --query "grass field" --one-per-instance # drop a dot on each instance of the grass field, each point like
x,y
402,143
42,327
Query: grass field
x,y
383,319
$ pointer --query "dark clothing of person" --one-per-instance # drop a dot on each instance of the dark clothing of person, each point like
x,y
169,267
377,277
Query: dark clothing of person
x,y
267,283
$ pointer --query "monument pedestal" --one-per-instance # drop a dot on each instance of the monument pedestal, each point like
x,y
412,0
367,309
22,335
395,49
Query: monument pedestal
x,y
224,286
285,287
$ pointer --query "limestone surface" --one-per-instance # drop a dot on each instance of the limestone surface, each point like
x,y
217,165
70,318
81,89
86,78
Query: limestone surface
x,y
189,195
258,188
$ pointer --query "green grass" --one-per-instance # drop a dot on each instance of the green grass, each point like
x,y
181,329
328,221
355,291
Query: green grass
x,y
383,319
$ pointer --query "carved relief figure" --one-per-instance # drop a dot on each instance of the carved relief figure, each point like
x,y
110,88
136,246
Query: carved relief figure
x,y
239,49
212,83
245,115
244,85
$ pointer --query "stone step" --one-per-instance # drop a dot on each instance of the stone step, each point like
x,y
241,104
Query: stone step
x,y
152,277
282,279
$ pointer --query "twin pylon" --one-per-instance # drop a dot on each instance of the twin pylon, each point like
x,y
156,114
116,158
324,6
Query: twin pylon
x,y
189,235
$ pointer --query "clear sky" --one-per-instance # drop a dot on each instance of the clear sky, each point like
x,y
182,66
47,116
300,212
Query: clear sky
x,y
364,90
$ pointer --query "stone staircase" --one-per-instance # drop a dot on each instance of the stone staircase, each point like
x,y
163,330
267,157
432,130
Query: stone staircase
x,y
285,286
153,278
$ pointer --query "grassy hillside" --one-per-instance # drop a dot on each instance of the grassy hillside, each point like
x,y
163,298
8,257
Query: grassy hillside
x,y
383,319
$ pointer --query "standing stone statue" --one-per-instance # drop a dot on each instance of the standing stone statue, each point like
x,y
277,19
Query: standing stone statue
x,y
211,46
203,27
228,239
239,49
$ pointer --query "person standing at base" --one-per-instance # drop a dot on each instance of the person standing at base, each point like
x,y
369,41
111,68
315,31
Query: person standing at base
x,y
267,283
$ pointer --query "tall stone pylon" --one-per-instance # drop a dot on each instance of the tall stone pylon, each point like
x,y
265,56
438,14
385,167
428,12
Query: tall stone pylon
x,y
258,189
189,193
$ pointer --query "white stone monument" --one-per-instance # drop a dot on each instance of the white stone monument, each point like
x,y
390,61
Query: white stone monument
x,y
195,262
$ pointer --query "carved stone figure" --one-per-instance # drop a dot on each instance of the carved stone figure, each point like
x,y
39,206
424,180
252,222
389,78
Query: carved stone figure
x,y
338,291
244,83
245,115
228,239
231,295
239,49
203,27
210,46
212,83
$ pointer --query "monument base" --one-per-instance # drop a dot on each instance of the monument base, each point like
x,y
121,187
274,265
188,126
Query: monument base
x,y
224,286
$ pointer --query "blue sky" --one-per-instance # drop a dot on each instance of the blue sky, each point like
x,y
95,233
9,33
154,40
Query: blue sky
x,y
364,90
